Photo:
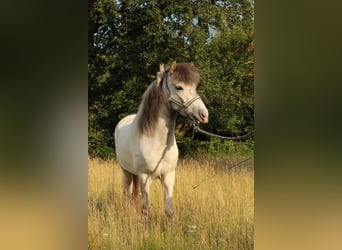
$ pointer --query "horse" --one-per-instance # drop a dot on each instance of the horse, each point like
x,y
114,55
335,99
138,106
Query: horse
x,y
145,142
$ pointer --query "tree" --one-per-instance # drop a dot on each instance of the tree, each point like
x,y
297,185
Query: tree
x,y
128,39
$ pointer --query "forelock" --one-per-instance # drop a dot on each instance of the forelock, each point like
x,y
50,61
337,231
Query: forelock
x,y
187,73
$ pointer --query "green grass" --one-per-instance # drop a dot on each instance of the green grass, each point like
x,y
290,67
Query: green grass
x,y
218,214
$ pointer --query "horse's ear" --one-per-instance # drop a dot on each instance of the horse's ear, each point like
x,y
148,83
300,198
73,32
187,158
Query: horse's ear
x,y
160,73
161,68
173,67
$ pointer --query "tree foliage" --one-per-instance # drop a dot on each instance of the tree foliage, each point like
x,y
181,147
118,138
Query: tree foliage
x,y
128,40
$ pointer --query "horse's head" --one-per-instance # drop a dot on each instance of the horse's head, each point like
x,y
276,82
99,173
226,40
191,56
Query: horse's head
x,y
180,82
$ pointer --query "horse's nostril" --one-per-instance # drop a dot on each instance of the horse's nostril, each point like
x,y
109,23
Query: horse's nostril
x,y
202,114
204,117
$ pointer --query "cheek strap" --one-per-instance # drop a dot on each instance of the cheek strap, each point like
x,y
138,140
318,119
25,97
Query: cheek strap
x,y
181,104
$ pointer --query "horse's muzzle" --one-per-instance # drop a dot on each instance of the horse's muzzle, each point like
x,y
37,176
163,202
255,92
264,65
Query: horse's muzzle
x,y
201,117
204,117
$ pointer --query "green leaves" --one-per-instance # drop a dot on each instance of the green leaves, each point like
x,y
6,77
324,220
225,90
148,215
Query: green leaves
x,y
129,39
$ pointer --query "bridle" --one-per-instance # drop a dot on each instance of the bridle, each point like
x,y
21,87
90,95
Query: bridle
x,y
175,98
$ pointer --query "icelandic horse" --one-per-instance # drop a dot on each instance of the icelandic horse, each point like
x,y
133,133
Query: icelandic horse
x,y
145,142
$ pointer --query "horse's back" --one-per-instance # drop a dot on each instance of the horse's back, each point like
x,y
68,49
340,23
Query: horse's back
x,y
122,134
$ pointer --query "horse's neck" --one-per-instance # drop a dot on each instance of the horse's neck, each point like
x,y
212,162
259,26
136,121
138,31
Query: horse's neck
x,y
166,123
164,130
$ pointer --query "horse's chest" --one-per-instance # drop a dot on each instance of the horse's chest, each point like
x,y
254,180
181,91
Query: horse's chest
x,y
157,161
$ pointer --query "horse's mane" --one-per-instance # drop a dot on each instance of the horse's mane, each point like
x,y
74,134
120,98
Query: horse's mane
x,y
150,106
154,95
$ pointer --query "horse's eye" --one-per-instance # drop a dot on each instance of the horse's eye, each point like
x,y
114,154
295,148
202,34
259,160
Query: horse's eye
x,y
179,87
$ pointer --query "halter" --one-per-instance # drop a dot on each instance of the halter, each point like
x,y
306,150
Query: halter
x,y
180,103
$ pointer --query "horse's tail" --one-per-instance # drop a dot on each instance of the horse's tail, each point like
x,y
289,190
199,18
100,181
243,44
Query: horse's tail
x,y
136,189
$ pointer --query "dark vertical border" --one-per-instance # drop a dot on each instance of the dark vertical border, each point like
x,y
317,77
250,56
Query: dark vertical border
x,y
43,110
298,125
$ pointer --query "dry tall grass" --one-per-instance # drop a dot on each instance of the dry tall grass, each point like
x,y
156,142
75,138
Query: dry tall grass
x,y
218,214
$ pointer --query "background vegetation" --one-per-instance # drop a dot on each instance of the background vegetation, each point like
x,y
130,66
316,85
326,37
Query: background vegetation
x,y
218,214
128,40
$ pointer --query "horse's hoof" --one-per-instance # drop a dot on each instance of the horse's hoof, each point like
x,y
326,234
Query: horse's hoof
x,y
144,212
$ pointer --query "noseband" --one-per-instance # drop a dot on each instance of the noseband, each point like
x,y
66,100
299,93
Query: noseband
x,y
175,98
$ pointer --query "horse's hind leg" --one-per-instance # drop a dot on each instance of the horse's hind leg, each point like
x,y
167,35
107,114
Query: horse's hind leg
x,y
127,180
168,181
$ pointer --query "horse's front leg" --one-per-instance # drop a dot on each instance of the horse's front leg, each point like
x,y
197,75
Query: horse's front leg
x,y
145,182
168,181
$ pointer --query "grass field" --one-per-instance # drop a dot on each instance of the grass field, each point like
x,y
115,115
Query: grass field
x,y
218,214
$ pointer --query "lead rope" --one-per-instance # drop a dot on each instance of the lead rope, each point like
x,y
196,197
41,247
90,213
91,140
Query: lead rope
x,y
210,177
197,129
